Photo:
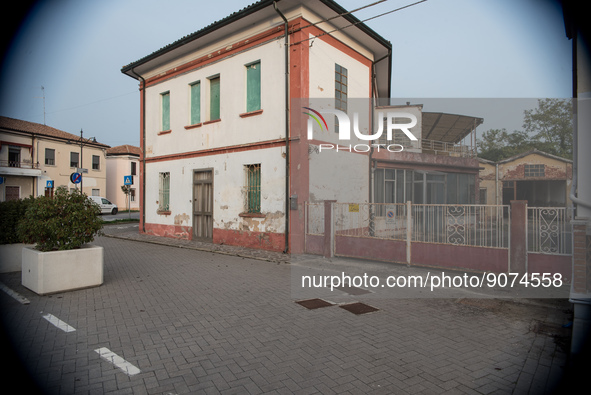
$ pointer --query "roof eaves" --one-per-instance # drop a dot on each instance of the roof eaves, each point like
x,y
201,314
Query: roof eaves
x,y
200,33
535,151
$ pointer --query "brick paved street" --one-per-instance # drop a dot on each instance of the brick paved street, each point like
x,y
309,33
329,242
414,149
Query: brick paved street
x,y
194,321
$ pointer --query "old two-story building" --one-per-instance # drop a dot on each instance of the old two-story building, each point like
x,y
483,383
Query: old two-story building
x,y
123,170
36,158
542,179
239,128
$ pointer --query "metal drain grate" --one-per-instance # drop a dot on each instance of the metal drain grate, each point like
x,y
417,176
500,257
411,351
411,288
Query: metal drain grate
x,y
358,308
314,303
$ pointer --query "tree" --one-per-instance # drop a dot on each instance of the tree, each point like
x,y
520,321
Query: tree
x,y
551,126
498,144
547,128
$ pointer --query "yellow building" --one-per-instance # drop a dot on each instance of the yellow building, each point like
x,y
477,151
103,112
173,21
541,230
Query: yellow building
x,y
544,180
35,157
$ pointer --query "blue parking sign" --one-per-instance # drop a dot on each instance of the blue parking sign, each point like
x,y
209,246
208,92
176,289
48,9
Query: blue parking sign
x,y
127,180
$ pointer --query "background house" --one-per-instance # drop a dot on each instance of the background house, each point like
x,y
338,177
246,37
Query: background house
x,y
544,180
31,155
123,161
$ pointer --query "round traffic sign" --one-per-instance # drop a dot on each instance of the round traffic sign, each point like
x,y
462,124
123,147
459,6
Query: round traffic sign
x,y
76,178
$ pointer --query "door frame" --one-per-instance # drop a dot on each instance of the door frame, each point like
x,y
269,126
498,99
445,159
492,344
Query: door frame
x,y
194,182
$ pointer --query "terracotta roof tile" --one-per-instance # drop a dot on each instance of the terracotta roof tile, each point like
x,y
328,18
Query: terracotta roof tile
x,y
124,150
19,125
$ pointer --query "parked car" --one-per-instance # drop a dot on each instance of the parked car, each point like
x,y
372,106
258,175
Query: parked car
x,y
106,206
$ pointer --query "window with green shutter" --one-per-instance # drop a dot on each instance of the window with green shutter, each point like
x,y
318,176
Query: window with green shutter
x,y
165,110
214,98
164,192
195,103
253,188
253,86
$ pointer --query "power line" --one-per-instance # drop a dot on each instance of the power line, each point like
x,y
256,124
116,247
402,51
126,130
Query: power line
x,y
339,15
94,102
358,22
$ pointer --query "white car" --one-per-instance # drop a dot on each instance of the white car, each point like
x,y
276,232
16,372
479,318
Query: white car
x,y
106,206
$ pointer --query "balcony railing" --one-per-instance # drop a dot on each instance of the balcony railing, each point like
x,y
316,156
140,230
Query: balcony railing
x,y
447,149
19,164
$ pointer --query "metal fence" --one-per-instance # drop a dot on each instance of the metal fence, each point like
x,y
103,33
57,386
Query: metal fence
x,y
549,230
468,225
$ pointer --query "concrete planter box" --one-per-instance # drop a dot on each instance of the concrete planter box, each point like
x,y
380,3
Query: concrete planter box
x,y
57,271
11,256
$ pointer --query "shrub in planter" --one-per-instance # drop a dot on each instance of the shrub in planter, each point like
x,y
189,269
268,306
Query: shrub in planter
x,y
64,222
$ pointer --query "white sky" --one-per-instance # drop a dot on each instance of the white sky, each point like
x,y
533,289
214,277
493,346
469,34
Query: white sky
x,y
442,49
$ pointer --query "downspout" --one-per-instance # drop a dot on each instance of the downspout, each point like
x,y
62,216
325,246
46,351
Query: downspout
x,y
573,190
143,109
372,128
287,197
497,184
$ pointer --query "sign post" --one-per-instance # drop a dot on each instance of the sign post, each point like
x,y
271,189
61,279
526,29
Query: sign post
x,y
128,180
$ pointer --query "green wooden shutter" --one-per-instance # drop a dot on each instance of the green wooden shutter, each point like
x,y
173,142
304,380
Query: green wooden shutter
x,y
214,98
195,103
253,87
166,111
253,186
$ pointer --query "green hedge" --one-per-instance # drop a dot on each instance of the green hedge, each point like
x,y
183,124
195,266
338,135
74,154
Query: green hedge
x,y
11,212
64,222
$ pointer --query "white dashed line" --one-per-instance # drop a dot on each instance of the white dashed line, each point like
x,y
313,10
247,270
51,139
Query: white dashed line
x,y
58,323
116,360
15,295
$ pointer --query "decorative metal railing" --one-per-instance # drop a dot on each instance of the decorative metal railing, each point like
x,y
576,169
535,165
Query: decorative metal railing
x,y
468,225
549,230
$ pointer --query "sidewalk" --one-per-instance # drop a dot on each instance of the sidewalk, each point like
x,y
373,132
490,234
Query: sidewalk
x,y
208,319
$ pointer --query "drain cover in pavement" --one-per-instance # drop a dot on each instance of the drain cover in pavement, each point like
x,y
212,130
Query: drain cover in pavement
x,y
314,303
358,308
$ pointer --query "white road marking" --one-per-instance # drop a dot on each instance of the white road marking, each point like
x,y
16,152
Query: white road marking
x,y
58,323
116,360
15,295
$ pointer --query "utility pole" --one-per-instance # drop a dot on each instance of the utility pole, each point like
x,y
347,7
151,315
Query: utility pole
x,y
42,97
43,91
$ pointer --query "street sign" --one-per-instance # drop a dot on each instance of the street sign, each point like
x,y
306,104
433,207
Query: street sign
x,y
49,184
127,180
1,180
81,170
76,178
390,214
353,208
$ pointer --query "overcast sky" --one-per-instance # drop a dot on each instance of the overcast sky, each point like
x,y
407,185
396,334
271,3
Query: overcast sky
x,y
75,49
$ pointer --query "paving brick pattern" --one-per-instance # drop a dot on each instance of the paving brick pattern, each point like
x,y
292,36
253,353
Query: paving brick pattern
x,y
196,321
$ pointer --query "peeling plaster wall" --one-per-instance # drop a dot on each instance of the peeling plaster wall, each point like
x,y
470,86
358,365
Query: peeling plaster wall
x,y
228,183
554,170
488,181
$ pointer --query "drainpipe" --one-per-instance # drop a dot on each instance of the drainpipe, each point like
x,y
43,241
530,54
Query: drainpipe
x,y
497,184
372,126
286,47
573,190
143,199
